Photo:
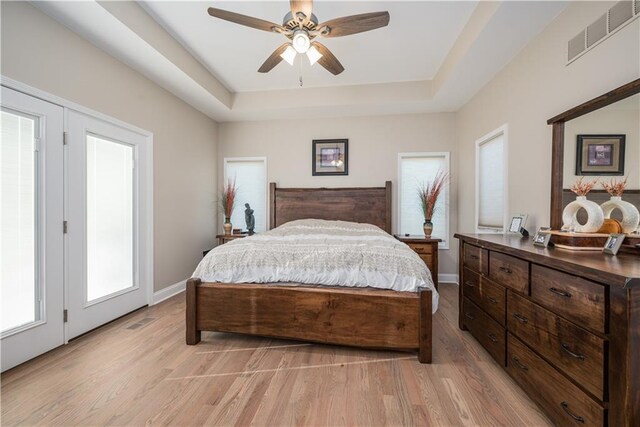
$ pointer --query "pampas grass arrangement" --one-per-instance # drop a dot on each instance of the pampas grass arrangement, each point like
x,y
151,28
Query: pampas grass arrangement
x,y
430,192
228,199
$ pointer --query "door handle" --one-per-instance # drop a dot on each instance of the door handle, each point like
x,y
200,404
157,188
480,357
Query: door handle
x,y
560,292
565,406
566,348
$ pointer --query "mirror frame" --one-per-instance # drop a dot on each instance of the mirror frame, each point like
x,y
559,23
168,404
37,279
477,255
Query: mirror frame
x,y
557,148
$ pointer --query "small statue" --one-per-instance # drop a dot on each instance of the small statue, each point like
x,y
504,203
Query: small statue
x,y
249,218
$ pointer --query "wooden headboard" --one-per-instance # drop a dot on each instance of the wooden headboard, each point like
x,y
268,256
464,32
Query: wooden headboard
x,y
371,205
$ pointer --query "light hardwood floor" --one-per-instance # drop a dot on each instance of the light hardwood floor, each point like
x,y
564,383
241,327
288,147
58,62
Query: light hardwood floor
x,y
138,370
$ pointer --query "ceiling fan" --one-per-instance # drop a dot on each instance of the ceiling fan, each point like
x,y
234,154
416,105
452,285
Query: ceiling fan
x,y
301,27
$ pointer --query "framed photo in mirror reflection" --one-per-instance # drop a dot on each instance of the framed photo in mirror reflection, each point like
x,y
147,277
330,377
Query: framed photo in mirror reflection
x,y
600,155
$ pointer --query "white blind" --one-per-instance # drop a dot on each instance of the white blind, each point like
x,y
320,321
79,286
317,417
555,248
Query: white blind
x,y
491,183
416,170
251,181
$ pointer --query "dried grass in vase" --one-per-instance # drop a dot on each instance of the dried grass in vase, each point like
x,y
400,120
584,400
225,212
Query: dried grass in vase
x,y
430,192
581,188
615,188
228,199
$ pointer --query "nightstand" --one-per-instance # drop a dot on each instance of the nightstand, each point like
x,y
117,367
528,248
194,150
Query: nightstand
x,y
427,248
223,238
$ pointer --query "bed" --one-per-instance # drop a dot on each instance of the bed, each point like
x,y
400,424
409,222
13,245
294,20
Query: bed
x,y
344,315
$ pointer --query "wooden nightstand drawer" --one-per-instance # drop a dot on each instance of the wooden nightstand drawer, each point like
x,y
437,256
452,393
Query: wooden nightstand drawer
x,y
509,271
564,402
427,249
575,351
486,330
573,297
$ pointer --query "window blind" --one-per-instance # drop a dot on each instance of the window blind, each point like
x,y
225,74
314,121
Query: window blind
x,y
491,185
251,182
416,170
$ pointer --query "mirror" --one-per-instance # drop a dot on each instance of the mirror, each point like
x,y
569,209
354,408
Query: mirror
x,y
614,114
604,144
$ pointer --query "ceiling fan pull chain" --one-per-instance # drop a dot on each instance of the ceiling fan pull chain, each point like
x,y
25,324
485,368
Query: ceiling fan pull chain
x,y
300,69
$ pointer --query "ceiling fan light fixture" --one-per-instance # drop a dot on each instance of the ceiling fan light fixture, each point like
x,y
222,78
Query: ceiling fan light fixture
x,y
313,55
301,41
289,55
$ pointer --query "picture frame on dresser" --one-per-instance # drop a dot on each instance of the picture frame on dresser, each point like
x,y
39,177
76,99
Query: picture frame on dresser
x,y
613,244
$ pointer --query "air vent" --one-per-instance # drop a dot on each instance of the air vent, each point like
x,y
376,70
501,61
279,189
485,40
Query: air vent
x,y
619,14
577,45
597,30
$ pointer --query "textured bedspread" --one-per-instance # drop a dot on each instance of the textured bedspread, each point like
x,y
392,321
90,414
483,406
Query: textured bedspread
x,y
319,252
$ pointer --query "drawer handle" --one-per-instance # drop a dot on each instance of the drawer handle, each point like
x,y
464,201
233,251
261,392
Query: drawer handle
x,y
474,256
469,316
519,364
560,292
493,337
521,318
492,300
505,270
469,284
565,406
566,348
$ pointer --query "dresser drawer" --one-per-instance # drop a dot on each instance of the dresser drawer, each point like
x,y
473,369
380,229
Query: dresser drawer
x,y
423,248
493,299
509,271
563,402
487,331
471,285
472,257
575,351
572,297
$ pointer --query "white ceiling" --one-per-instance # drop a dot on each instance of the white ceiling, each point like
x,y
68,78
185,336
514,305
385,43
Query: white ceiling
x,y
433,56
412,47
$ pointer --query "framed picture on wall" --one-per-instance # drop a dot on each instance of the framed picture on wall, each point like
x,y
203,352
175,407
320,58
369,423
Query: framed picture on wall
x,y
330,157
600,155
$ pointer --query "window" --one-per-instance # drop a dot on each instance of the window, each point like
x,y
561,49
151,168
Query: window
x,y
414,170
491,181
18,197
250,175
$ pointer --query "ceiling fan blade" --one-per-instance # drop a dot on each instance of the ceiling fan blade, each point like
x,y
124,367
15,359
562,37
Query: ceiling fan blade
x,y
273,60
328,60
303,6
354,24
245,20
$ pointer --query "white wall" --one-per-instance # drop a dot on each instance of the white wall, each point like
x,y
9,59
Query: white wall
x,y
374,144
40,52
533,87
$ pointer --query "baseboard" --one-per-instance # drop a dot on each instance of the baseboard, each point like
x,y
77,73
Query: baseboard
x,y
448,278
168,292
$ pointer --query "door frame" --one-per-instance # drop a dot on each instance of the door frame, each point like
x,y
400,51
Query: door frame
x,y
146,222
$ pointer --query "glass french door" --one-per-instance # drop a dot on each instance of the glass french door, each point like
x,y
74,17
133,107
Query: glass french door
x,y
105,248
31,226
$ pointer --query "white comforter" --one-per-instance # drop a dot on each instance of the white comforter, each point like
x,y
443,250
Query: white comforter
x,y
319,252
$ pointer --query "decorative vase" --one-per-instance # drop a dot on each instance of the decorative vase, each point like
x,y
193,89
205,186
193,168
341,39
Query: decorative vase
x,y
427,227
227,226
595,216
630,214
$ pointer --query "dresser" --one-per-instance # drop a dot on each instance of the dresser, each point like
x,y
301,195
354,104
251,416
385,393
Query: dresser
x,y
427,249
565,325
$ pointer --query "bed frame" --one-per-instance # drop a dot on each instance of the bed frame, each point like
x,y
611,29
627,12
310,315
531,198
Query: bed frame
x,y
369,318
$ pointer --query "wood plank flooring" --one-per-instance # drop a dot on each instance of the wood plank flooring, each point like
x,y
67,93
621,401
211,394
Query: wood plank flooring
x,y
138,371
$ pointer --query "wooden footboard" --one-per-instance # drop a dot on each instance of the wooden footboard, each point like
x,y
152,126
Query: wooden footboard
x,y
354,317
